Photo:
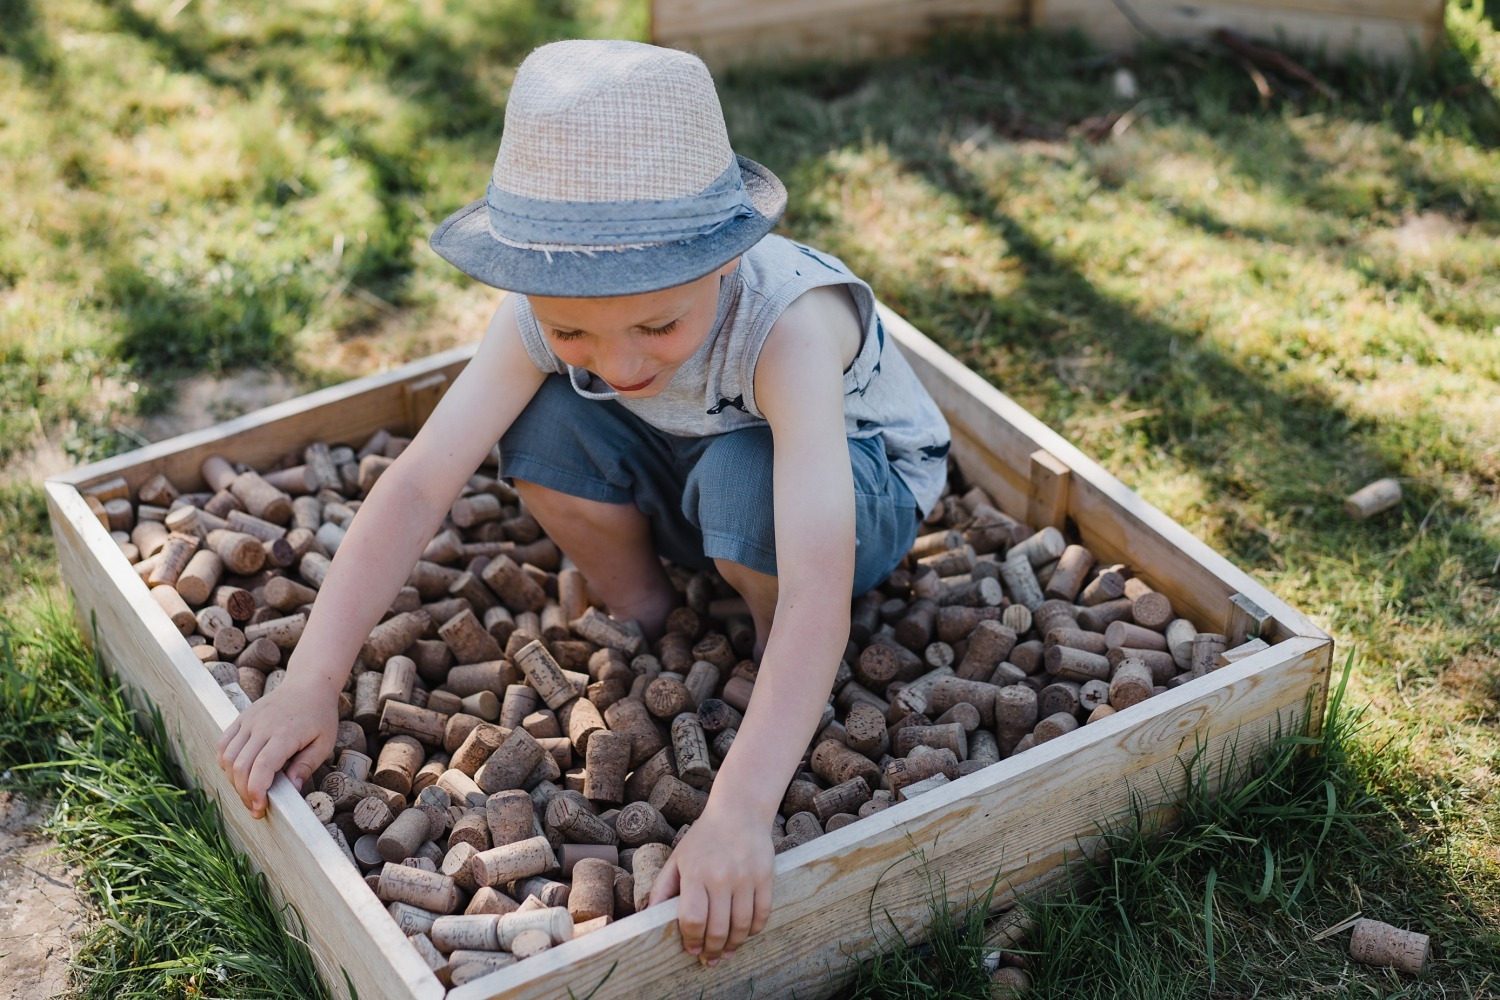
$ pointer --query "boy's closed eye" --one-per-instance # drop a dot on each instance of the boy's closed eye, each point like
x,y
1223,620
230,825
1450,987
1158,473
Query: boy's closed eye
x,y
650,331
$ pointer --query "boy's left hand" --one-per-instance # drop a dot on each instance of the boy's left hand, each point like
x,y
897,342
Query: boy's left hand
x,y
722,873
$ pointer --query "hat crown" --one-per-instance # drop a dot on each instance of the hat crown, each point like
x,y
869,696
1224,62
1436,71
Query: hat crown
x,y
611,121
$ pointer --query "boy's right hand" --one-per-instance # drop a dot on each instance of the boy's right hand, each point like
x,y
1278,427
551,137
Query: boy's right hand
x,y
290,726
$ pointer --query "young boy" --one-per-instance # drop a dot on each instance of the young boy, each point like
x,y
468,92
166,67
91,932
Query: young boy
x,y
669,381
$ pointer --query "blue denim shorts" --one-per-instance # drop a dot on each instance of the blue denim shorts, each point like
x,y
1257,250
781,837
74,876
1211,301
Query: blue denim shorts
x,y
706,498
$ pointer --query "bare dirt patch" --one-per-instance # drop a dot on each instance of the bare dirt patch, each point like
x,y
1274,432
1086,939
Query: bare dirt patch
x,y
41,914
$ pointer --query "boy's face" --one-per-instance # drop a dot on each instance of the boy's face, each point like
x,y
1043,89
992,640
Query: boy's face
x,y
635,343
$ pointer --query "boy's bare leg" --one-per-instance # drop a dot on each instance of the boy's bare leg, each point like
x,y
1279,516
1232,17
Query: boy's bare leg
x,y
759,591
611,545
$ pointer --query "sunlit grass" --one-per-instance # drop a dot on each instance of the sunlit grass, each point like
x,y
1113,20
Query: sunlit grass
x,y
1245,312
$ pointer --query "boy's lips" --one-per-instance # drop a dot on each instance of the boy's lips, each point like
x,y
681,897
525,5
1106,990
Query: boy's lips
x,y
631,388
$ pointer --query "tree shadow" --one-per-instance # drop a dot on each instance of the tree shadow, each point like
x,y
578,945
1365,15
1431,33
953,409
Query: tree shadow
x,y
449,84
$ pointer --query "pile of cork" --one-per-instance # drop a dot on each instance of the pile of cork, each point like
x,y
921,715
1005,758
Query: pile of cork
x,y
513,766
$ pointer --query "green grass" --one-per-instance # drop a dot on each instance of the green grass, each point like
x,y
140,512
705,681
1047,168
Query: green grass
x,y
1266,852
1244,310
179,912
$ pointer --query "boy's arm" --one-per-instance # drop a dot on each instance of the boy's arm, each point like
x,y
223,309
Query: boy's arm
x,y
724,865
296,722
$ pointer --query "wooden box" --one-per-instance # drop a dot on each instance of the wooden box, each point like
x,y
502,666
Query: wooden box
x,y
728,32
838,896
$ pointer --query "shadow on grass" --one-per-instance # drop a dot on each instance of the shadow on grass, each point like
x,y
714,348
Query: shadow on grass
x,y
443,75
24,39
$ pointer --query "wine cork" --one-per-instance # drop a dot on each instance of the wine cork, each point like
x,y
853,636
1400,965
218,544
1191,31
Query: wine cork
x,y
261,498
984,749
1152,610
371,815
642,781
989,644
429,890
544,674
915,630
400,719
950,736
261,654
1073,566
509,862
1021,582
511,763
354,763
570,854
520,701
553,922
240,552
1075,664
175,553
1377,943
1206,647
482,741
404,835
1097,617
606,765
576,823
1131,684
835,763
1055,725
951,691
1375,498
950,562
392,636
593,892
845,797
582,720
516,590
690,749
646,867
642,823
472,828
1121,633
397,765
284,631
679,802
631,717
715,716
956,622
1163,668
1059,696
1107,585
468,639
488,899
176,609
478,933
865,731
668,697
737,692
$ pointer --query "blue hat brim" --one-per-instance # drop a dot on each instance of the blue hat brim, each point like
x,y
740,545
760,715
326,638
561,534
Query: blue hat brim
x,y
464,240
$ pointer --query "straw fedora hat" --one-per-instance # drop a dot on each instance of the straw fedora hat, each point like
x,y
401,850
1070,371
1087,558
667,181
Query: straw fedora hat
x,y
614,177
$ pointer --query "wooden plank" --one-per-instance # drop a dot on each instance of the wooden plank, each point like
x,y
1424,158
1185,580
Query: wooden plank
x,y
724,33
421,397
346,413
350,932
1245,620
993,439
1047,491
1378,28
1021,818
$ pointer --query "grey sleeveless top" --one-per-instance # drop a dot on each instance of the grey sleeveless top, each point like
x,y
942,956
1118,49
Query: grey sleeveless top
x,y
714,391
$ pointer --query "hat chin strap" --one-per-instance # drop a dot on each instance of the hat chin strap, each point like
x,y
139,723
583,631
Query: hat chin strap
x,y
592,226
